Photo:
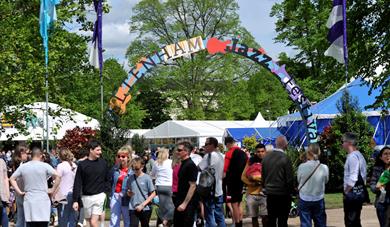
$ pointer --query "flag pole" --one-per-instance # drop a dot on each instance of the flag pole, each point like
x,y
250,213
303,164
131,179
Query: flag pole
x,y
345,40
47,106
101,94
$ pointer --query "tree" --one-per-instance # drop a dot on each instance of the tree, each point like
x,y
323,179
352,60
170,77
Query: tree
x,y
138,143
76,139
199,86
350,120
301,25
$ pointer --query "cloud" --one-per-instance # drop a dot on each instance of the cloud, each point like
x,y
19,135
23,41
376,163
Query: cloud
x,y
254,17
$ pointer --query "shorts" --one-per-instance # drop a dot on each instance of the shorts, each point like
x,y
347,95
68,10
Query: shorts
x,y
257,205
93,204
235,193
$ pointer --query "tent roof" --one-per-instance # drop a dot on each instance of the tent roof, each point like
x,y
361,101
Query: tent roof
x,y
62,120
327,108
179,129
264,133
131,132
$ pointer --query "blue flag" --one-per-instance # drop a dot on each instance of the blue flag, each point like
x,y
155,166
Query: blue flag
x,y
47,16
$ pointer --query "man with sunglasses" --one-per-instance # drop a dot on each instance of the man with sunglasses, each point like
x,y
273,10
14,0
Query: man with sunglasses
x,y
185,205
214,205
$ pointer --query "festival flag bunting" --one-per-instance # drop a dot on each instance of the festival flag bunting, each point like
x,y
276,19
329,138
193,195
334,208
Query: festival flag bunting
x,y
337,35
96,55
47,17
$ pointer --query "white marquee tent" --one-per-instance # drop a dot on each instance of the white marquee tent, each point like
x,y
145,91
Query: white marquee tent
x,y
172,131
60,120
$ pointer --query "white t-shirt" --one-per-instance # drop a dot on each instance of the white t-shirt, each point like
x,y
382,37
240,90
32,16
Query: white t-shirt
x,y
217,162
67,177
196,158
163,173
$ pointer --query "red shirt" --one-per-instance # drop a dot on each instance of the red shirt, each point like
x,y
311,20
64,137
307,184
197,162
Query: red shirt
x,y
122,175
228,157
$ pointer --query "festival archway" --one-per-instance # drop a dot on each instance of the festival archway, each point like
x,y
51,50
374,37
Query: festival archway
x,y
213,45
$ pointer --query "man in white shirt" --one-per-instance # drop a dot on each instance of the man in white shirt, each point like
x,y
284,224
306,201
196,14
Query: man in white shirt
x,y
214,206
355,172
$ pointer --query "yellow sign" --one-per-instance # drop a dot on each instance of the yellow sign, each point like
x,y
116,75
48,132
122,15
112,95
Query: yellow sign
x,y
183,48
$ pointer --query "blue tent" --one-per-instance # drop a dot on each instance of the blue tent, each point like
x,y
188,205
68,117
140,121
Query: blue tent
x,y
267,135
292,126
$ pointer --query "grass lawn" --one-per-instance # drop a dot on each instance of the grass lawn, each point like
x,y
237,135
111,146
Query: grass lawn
x,y
335,200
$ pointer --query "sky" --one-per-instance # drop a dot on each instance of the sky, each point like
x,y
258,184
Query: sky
x,y
254,16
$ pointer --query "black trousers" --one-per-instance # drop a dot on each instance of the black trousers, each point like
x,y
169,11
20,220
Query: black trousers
x,y
352,211
278,207
137,217
37,224
186,217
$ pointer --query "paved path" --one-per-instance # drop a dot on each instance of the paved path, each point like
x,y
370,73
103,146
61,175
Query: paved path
x,y
335,218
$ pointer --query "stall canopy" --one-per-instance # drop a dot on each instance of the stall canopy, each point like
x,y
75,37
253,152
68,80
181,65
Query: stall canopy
x,y
198,131
60,120
292,126
266,135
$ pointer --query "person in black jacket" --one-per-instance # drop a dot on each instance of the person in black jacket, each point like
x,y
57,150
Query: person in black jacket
x,y
278,181
92,181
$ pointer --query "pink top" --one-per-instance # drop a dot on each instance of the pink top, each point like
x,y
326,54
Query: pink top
x,y
67,174
175,177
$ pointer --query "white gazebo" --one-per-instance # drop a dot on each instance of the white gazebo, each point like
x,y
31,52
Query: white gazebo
x,y
170,132
60,120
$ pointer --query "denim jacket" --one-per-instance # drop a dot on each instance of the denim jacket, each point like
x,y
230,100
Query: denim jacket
x,y
115,176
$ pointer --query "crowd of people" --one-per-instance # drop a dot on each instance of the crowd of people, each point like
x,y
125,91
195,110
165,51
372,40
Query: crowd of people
x,y
186,187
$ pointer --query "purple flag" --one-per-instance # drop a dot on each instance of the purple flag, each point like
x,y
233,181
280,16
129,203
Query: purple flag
x,y
96,56
337,35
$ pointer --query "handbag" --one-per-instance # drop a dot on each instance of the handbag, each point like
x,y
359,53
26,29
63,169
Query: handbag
x,y
359,192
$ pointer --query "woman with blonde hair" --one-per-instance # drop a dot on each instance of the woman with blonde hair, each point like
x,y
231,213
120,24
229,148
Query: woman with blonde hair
x,y
312,177
119,203
67,170
162,171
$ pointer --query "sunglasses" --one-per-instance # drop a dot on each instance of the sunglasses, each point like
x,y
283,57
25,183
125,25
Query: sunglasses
x,y
122,156
180,150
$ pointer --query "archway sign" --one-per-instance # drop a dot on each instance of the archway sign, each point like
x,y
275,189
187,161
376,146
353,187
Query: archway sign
x,y
214,45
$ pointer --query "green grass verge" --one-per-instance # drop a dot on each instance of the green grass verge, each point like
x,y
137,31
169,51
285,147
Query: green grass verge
x,y
335,200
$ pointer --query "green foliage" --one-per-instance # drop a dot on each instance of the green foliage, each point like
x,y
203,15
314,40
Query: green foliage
x,y
200,86
349,120
112,138
250,142
295,155
301,25
138,143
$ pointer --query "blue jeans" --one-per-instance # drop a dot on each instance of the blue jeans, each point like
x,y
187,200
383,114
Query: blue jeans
x,y
213,209
117,210
20,221
381,213
314,210
66,215
4,216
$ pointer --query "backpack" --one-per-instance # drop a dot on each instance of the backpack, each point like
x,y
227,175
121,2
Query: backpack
x,y
206,186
